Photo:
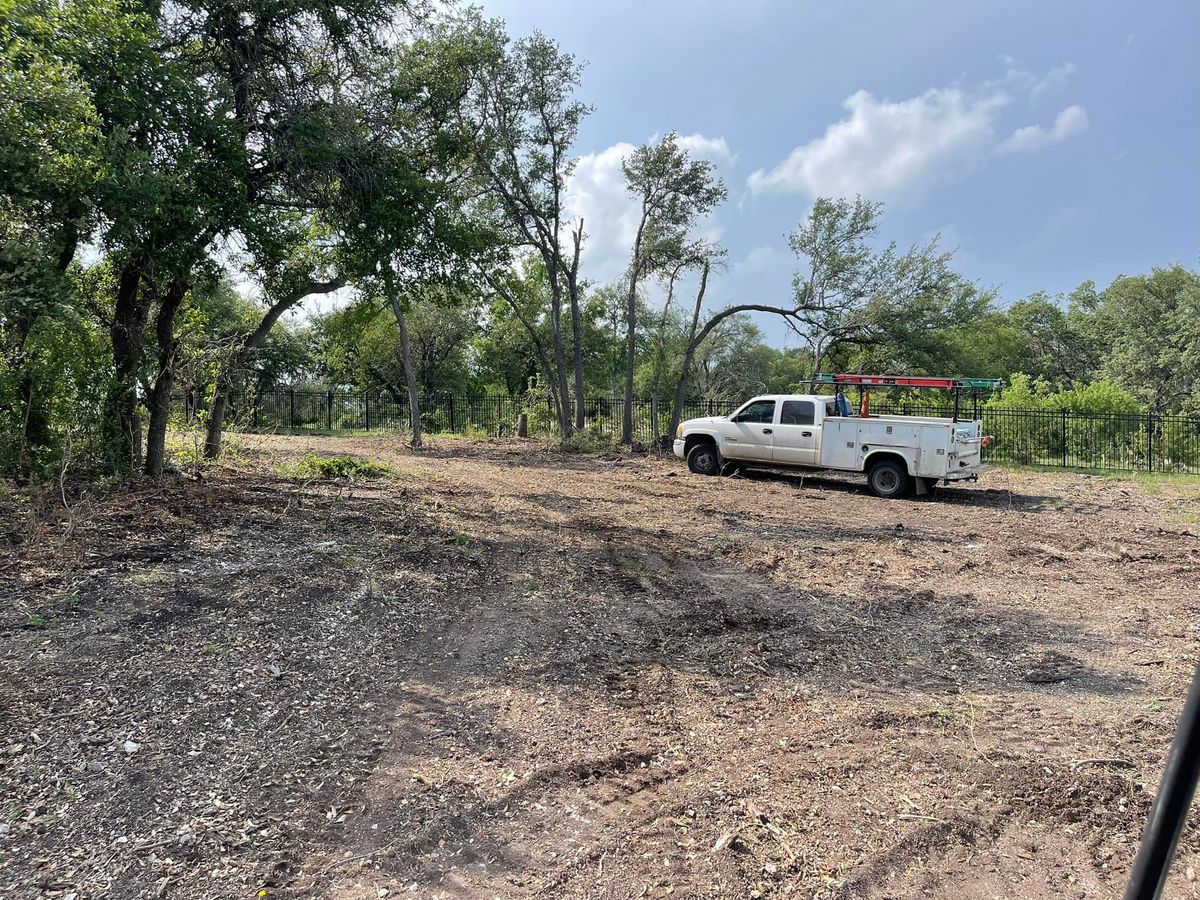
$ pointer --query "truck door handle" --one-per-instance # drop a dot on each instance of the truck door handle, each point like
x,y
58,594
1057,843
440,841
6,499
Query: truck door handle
x,y
766,431
806,433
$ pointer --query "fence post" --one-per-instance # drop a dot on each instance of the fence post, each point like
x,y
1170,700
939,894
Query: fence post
x,y
329,411
1149,441
452,428
366,411
1064,438
291,409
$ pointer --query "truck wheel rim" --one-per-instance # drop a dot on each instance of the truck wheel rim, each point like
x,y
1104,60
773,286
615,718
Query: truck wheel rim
x,y
704,460
886,480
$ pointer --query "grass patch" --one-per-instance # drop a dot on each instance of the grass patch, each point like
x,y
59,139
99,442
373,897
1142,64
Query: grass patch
x,y
1145,478
312,467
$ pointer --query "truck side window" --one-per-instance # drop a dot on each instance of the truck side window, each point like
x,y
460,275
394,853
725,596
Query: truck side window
x,y
761,411
797,412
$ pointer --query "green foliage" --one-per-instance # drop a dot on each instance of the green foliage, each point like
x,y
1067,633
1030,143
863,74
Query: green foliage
x,y
1103,396
589,440
1149,326
312,467
359,345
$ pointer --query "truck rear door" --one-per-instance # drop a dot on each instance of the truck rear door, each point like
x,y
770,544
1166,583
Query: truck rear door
x,y
797,436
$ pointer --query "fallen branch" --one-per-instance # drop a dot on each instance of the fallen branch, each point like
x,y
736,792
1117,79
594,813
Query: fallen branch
x,y
1114,761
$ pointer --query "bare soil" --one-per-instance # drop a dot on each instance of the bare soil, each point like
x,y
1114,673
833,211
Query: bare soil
x,y
505,671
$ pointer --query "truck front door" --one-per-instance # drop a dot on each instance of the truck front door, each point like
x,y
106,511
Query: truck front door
x,y
797,436
751,431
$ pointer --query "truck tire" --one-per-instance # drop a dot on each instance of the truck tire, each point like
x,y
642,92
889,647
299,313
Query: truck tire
x,y
703,459
888,479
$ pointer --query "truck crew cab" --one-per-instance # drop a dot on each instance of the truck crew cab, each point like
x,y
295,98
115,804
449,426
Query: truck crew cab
x,y
807,431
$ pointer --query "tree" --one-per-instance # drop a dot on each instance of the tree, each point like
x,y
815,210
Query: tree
x,y
847,293
1150,328
523,119
384,206
674,192
49,160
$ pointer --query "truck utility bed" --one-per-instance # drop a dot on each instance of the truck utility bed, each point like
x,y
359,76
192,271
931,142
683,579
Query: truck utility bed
x,y
938,448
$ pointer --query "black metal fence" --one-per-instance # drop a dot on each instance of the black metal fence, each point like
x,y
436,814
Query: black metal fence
x,y
1133,442
492,415
1147,442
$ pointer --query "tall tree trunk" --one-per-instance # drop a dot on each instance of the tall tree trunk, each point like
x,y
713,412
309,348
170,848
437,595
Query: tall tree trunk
x,y
410,373
660,356
565,425
577,327
35,423
688,355
35,416
35,420
630,350
121,427
635,270
160,394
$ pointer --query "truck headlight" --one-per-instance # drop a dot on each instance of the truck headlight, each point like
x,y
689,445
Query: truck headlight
x,y
679,430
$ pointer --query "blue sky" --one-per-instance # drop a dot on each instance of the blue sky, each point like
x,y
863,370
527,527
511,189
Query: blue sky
x,y
1048,142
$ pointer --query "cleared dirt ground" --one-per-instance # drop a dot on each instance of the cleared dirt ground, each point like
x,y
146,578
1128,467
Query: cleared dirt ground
x,y
509,672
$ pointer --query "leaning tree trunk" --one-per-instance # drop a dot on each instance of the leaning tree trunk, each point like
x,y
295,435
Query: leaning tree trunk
x,y
160,394
410,374
121,427
214,427
245,353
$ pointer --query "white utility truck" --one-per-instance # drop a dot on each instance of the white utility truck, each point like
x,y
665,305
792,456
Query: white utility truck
x,y
814,431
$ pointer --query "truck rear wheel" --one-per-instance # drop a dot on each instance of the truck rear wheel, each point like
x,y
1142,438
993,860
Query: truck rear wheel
x,y
703,459
888,479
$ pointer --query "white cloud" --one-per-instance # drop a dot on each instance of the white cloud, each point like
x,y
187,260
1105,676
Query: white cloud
x,y
1054,80
1031,138
597,193
758,259
886,148
700,147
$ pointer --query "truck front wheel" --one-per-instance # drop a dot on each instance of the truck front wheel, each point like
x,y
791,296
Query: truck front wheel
x,y
888,479
703,459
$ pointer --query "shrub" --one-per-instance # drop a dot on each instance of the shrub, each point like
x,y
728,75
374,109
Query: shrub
x,y
324,468
590,440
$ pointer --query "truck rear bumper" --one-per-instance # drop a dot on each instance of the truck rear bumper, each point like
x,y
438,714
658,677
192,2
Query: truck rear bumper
x,y
964,474
678,448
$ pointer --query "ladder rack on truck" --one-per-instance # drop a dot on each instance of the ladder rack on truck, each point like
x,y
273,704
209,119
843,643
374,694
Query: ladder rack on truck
x,y
955,385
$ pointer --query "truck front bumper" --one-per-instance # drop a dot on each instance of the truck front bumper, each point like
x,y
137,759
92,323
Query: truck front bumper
x,y
678,447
